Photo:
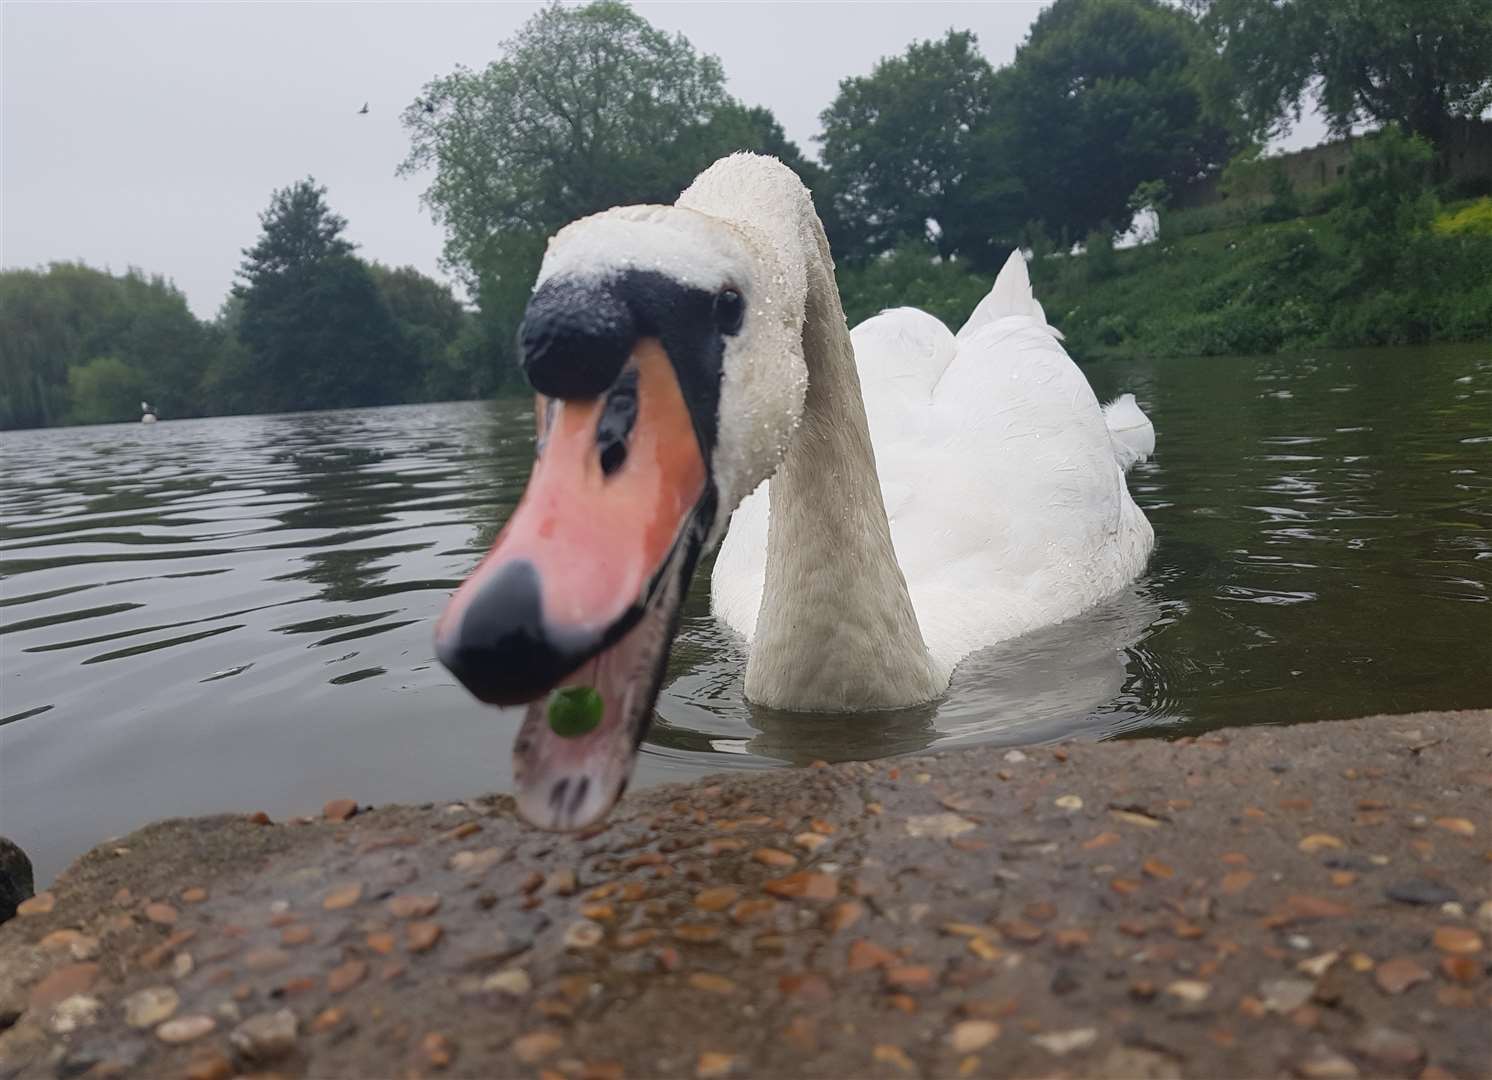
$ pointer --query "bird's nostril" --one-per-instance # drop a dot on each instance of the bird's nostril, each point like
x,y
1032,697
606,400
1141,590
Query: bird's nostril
x,y
618,417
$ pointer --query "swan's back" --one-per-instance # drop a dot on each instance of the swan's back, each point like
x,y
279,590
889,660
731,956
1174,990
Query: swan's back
x,y
1003,483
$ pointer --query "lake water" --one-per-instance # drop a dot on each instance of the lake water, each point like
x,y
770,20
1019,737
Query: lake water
x,y
235,614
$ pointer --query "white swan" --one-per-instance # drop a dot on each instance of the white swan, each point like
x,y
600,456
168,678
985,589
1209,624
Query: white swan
x,y
149,414
684,354
1003,482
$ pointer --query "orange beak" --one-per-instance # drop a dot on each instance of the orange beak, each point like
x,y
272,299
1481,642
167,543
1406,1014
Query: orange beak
x,y
584,583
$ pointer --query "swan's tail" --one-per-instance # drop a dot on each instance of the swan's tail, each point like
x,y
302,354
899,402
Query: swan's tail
x,y
1130,431
1010,295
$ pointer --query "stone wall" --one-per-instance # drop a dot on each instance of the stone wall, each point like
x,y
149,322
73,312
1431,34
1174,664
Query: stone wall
x,y
1465,155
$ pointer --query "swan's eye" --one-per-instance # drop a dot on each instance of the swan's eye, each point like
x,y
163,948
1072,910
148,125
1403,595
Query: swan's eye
x,y
730,309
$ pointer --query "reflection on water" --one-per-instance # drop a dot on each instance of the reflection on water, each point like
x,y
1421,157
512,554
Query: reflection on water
x,y
235,613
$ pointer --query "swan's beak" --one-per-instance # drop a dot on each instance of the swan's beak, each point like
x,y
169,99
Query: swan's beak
x,y
584,584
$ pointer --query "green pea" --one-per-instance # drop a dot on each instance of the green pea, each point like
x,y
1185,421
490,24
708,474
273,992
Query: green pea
x,y
575,711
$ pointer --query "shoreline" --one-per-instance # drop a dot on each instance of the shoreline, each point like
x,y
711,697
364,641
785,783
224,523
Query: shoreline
x,y
1313,900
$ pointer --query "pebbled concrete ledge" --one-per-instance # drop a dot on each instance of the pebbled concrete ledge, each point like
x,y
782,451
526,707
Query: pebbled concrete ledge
x,y
1312,901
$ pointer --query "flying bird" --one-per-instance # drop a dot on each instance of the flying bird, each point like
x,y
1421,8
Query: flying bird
x,y
364,110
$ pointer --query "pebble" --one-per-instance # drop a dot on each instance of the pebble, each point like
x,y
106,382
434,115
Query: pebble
x,y
413,905
72,1013
810,840
327,1019
909,977
40,904
296,934
891,1054
717,899
475,862
422,936
843,916
196,894
161,914
512,981
1069,802
213,1067
78,945
806,885
536,1046
712,1065
265,1038
339,809
344,977
151,1006
1286,995
182,965
1324,1064
1061,1043
1389,1046
1419,891
1457,939
583,935
266,959
1458,825
561,883
1399,974
711,983
437,1050
185,1029
1190,991
938,826
970,1035
1318,966
343,896
1157,869
774,857
1318,842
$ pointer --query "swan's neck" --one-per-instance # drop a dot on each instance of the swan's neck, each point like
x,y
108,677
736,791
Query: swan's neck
x,y
836,630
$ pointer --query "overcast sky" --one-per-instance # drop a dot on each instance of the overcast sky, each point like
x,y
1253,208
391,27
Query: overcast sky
x,y
151,135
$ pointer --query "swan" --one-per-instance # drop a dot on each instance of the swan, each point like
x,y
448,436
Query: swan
x,y
149,414
683,355
1002,481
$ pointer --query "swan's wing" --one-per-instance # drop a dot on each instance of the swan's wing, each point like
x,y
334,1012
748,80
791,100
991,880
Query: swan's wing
x,y
740,570
1018,516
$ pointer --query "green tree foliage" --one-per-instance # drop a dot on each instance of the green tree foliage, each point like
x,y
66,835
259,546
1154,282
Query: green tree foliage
x,y
585,108
912,275
1103,96
55,320
1417,63
104,390
318,331
1387,202
898,144
429,320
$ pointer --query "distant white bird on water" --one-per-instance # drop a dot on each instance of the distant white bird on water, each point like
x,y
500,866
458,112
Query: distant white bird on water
x,y
149,411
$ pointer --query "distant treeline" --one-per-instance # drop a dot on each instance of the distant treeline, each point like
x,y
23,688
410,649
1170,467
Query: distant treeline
x,y
934,166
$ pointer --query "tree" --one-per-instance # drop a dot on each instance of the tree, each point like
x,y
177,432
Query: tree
x,y
55,321
898,145
585,108
1105,95
429,320
1418,63
104,390
318,332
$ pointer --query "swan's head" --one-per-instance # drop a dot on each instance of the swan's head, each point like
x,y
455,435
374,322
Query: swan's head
x,y
665,348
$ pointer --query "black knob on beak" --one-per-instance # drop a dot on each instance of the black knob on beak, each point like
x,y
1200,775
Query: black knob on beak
x,y
575,337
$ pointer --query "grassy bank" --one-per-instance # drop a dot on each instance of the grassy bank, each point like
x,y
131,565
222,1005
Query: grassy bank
x,y
1211,288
